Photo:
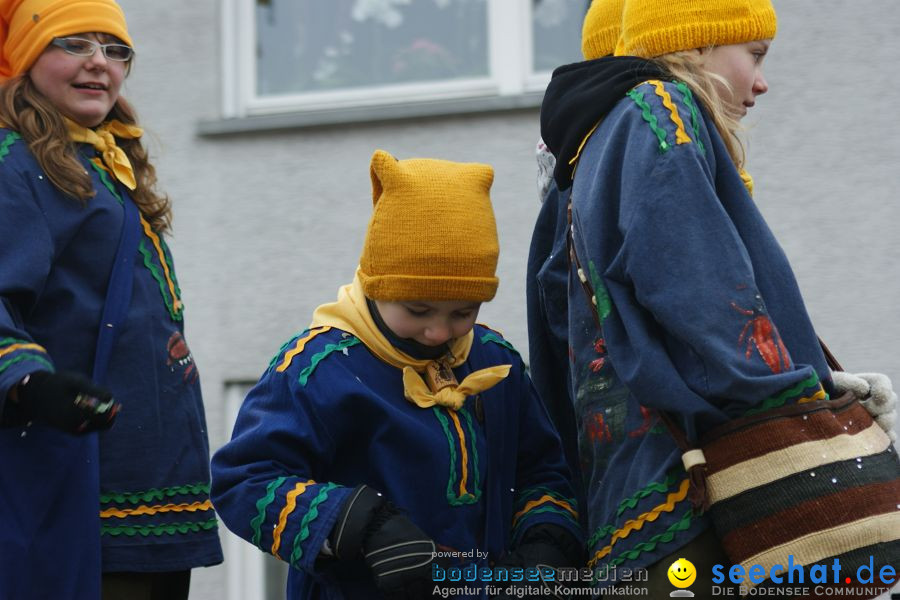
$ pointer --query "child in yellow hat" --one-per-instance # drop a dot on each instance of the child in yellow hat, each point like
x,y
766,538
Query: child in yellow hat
x,y
396,440
694,310
90,317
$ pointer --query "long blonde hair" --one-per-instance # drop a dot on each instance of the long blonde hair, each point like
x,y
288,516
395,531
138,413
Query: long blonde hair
x,y
25,110
687,66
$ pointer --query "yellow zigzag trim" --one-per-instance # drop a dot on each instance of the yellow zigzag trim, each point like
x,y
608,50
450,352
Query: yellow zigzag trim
x,y
290,503
176,301
637,524
464,451
820,395
14,347
681,136
298,348
152,510
100,164
575,158
541,500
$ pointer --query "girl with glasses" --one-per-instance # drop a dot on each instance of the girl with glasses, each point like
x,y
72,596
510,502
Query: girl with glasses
x,y
90,321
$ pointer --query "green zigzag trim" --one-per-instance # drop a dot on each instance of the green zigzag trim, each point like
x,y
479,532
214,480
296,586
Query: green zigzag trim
x,y
308,518
663,538
317,358
24,357
160,281
10,341
168,529
601,296
779,400
493,337
261,505
529,493
452,498
630,503
107,183
658,487
536,511
688,98
168,256
648,116
8,141
476,477
154,494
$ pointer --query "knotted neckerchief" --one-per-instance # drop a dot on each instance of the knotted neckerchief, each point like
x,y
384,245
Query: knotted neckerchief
x,y
103,139
351,314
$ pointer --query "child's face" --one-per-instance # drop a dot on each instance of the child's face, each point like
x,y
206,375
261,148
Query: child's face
x,y
83,88
428,322
741,66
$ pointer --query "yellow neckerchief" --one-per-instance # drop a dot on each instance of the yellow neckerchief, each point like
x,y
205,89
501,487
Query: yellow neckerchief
x,y
103,139
351,314
747,179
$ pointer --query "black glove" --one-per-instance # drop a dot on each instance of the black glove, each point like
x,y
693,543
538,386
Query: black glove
x,y
544,545
397,553
66,401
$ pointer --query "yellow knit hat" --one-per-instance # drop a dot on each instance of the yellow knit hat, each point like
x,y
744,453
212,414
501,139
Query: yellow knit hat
x,y
652,28
601,28
28,26
432,235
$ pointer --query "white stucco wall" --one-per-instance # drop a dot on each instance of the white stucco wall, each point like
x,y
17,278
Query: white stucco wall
x,y
268,225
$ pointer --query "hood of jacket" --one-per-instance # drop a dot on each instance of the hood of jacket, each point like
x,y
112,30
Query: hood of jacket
x,y
579,96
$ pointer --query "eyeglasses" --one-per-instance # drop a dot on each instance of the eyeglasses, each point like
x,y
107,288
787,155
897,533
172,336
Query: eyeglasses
x,y
82,47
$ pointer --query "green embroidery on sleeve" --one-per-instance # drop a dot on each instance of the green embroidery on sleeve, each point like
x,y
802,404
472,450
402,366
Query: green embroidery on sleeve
x,y
261,505
651,119
688,99
308,518
601,296
319,357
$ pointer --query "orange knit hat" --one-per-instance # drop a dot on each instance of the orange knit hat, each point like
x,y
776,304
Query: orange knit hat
x,y
432,235
601,28
28,26
651,28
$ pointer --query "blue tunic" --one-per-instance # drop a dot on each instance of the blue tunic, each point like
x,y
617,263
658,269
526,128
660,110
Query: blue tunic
x,y
150,509
701,316
328,415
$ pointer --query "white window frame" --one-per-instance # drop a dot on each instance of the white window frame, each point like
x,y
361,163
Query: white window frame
x,y
247,569
509,65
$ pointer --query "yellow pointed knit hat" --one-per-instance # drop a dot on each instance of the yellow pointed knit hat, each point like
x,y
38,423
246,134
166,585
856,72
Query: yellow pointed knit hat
x,y
432,235
28,26
601,28
652,28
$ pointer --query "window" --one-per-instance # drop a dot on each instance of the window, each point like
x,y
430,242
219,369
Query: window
x,y
306,55
252,573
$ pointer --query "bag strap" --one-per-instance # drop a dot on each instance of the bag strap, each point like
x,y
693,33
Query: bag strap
x,y
833,364
692,458
118,294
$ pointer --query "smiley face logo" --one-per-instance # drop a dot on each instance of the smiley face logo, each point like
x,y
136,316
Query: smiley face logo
x,y
682,573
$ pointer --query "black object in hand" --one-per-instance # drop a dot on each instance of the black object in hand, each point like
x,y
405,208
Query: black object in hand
x,y
67,401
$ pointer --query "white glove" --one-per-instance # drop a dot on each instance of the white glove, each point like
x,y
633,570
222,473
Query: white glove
x,y
874,392
546,162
